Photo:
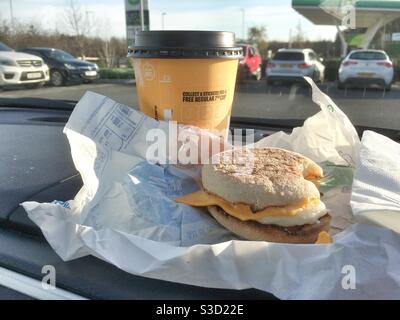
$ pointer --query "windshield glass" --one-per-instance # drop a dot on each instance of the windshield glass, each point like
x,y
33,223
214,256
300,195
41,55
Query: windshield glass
x,y
368,55
3,47
59,55
286,40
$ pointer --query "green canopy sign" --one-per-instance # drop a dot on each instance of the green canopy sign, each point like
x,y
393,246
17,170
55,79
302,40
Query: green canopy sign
x,y
354,40
134,2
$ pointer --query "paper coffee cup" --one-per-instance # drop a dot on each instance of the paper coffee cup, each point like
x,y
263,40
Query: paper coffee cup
x,y
186,76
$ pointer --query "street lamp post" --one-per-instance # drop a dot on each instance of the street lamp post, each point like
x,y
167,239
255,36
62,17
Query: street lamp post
x,y
141,15
162,19
12,16
243,24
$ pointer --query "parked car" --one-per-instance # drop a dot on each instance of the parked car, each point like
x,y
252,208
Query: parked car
x,y
250,64
366,67
64,67
294,64
21,69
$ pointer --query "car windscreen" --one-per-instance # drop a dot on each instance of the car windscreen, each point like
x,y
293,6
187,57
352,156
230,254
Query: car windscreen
x,y
59,55
3,47
368,55
269,85
289,56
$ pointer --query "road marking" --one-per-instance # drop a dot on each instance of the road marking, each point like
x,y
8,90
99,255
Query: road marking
x,y
293,92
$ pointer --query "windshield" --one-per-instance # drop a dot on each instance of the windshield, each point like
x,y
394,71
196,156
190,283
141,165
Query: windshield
x,y
368,55
294,39
59,55
3,47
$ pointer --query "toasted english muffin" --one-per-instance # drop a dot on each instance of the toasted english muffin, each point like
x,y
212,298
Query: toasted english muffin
x,y
261,177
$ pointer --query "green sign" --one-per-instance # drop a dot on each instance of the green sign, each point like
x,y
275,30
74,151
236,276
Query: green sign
x,y
354,39
134,2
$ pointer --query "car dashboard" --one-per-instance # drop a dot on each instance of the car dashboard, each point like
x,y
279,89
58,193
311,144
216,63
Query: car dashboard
x,y
36,165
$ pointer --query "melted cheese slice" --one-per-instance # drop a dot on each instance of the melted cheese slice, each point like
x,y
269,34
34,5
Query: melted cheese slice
x,y
324,238
243,211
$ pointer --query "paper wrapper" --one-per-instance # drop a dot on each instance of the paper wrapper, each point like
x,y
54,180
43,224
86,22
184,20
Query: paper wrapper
x,y
126,214
376,190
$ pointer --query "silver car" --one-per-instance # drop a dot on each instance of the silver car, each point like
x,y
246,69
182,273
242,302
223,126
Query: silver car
x,y
366,67
294,64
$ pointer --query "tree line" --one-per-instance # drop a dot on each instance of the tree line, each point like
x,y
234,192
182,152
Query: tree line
x,y
109,51
258,35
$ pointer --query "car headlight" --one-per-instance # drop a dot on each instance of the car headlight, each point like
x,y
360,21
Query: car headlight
x,y
6,62
96,66
69,66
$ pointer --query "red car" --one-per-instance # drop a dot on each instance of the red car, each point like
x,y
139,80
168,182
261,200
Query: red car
x,y
250,64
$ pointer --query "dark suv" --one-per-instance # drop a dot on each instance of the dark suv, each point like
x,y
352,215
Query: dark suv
x,y
64,67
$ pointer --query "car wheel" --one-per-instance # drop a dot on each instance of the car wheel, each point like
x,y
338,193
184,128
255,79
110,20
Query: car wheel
x,y
56,78
321,78
316,76
388,87
246,74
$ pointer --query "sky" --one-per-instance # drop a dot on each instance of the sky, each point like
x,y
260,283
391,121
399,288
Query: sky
x,y
276,15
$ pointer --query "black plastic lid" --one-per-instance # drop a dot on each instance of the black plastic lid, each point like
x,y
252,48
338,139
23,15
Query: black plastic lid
x,y
184,44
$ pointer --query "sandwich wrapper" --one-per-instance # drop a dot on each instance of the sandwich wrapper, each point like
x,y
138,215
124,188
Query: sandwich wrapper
x,y
376,189
126,214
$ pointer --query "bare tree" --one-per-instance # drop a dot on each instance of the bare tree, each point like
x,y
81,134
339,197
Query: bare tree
x,y
258,36
257,33
108,52
300,36
77,19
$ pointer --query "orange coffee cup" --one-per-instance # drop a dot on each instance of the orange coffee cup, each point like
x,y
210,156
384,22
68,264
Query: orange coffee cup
x,y
186,76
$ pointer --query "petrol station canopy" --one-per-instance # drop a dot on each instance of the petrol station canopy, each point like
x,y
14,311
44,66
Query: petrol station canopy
x,y
369,14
